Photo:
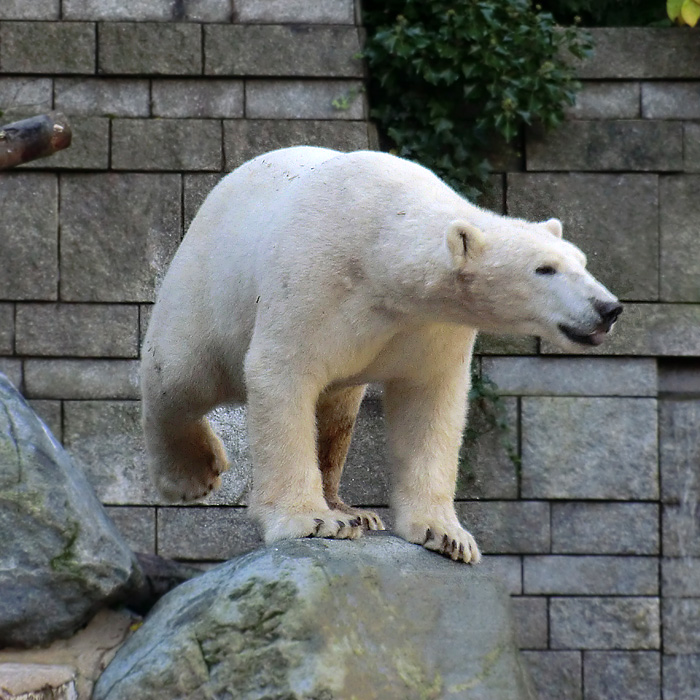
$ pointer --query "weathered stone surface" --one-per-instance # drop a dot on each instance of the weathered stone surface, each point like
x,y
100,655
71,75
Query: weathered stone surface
x,y
556,674
691,148
650,330
127,249
679,451
488,344
23,96
145,311
604,623
613,675
198,98
150,48
12,369
137,525
605,528
47,47
196,187
681,625
680,578
671,100
612,218
636,52
604,448
508,569
259,624
28,236
37,9
295,11
50,413
148,10
208,534
508,527
531,622
680,272
681,676
78,330
613,145
305,99
543,376
679,379
680,536
82,379
116,97
616,100
166,144
282,50
561,575
7,328
37,682
63,557
245,139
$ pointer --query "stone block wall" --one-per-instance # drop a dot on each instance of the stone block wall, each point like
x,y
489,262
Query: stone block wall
x,y
596,530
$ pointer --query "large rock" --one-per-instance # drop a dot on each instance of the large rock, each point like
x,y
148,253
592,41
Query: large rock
x,y
326,620
61,558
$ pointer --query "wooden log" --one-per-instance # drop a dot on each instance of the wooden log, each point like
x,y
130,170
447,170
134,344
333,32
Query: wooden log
x,y
36,137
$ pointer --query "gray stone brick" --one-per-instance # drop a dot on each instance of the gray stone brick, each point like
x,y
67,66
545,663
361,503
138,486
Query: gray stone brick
x,y
613,218
604,623
137,525
7,328
277,50
144,318
145,10
606,101
36,9
610,145
488,344
20,97
556,674
531,624
605,448
679,451
50,413
641,52
295,11
99,97
113,252
486,470
613,675
29,236
89,149
543,376
667,330
508,570
562,575
196,188
691,148
681,630
508,527
211,534
493,198
78,330
680,535
681,677
166,144
680,210
605,528
12,369
680,578
47,47
305,99
245,139
198,98
671,100
130,48
679,379
81,379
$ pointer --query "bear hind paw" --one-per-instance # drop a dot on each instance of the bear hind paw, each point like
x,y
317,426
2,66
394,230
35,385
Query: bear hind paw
x,y
452,541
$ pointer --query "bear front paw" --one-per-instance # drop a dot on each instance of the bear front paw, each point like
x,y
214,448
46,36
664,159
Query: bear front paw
x,y
323,523
450,540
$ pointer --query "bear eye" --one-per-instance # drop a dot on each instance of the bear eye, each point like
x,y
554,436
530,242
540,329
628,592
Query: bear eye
x,y
545,270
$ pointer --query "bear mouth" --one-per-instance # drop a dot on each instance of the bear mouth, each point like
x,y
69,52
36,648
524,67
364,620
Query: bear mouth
x,y
595,338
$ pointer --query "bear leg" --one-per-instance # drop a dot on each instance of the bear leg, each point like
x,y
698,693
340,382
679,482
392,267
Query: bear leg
x,y
335,418
425,421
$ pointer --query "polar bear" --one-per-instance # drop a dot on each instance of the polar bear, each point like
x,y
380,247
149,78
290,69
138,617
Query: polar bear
x,y
309,273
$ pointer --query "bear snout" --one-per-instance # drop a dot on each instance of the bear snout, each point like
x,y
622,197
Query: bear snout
x,y
609,311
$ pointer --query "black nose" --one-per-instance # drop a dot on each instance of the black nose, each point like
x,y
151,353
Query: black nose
x,y
609,311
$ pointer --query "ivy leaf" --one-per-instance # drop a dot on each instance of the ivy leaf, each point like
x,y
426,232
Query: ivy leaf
x,y
673,8
690,12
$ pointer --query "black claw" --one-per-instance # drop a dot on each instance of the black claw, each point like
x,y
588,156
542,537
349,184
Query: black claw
x,y
454,545
356,522
318,522
428,535
341,524
461,550
445,542
365,522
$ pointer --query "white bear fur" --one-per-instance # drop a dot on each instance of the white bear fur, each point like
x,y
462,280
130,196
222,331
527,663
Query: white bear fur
x,y
308,273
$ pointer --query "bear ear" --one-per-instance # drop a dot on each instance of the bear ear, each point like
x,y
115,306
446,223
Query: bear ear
x,y
464,241
554,227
